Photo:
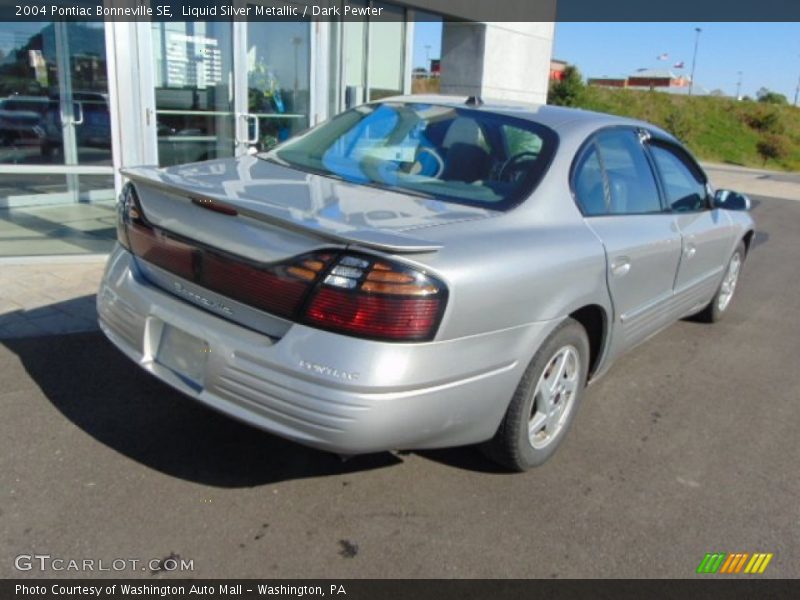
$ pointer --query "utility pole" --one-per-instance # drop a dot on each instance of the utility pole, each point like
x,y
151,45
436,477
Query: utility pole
x,y
739,86
797,90
694,58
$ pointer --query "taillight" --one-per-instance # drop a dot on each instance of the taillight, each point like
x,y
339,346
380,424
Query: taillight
x,y
127,201
353,294
153,245
375,298
279,288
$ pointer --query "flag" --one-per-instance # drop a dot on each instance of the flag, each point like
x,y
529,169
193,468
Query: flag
x,y
678,65
664,56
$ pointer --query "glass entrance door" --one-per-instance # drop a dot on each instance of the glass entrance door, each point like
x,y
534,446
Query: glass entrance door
x,y
56,174
223,88
276,79
195,107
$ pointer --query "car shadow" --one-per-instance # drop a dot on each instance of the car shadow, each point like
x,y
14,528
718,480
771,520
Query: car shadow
x,y
98,389
466,458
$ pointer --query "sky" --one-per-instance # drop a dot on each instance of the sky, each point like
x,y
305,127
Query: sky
x,y
767,54
426,33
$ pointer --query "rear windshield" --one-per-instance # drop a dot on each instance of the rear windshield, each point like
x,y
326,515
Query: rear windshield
x,y
451,154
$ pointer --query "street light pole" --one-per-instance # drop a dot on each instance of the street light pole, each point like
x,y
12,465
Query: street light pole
x,y
739,86
694,58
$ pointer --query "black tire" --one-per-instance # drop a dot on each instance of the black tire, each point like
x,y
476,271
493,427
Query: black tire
x,y
712,312
511,445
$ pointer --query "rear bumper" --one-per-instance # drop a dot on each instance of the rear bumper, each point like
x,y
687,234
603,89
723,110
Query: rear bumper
x,y
325,390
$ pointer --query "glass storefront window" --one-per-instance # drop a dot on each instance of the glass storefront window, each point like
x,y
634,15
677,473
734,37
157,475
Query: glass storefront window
x,y
373,55
278,79
426,53
44,220
354,54
386,53
220,88
56,175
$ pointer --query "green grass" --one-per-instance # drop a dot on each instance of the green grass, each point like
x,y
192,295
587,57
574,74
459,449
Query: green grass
x,y
715,129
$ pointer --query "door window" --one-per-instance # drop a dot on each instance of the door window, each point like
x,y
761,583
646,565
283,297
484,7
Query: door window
x,y
632,186
613,177
685,190
589,188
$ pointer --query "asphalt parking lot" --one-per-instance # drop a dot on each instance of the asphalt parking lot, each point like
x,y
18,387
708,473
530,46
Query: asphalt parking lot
x,y
689,445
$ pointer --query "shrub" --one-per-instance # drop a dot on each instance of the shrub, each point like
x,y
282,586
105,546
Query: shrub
x,y
772,146
569,91
769,97
764,120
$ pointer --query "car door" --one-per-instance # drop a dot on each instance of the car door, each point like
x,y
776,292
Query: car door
x,y
706,232
617,192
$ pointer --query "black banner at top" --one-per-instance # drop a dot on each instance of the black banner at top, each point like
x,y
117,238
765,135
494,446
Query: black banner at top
x,y
347,10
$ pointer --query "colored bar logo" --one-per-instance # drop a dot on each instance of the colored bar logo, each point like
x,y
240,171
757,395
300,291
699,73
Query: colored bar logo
x,y
736,562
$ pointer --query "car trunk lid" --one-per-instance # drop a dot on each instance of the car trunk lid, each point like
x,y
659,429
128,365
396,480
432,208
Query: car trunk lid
x,y
235,205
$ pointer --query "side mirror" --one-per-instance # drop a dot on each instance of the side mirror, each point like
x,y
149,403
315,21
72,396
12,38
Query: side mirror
x,y
730,200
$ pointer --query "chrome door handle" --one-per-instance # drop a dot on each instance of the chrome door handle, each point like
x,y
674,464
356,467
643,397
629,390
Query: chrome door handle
x,y
247,117
256,130
621,266
79,120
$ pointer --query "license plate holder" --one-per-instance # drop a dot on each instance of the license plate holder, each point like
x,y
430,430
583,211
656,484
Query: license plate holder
x,y
184,354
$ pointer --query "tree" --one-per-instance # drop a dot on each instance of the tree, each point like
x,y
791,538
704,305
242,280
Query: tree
x,y
769,97
768,121
772,146
569,90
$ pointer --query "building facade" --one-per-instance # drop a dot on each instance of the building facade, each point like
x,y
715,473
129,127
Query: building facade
x,y
80,100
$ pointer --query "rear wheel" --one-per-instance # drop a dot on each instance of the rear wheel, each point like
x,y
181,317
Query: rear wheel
x,y
545,401
722,299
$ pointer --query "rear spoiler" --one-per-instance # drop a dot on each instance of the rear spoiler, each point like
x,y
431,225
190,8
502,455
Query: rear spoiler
x,y
367,238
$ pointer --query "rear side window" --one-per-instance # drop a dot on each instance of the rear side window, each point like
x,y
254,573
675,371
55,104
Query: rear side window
x,y
632,186
685,191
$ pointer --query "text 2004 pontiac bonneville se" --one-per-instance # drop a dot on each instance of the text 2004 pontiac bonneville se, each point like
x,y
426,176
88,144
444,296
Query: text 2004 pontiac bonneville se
x,y
419,272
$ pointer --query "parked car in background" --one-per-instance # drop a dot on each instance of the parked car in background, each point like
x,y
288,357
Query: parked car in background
x,y
419,272
92,123
21,120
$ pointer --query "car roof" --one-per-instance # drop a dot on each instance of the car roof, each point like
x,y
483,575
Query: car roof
x,y
554,117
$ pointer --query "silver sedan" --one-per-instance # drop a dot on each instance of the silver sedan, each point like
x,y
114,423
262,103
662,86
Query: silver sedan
x,y
419,272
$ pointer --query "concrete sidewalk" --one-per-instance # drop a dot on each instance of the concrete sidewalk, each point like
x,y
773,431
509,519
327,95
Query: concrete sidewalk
x,y
755,182
51,296
48,297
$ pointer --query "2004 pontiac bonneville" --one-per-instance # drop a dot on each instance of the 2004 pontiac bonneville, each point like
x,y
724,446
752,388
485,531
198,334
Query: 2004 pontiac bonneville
x,y
419,272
